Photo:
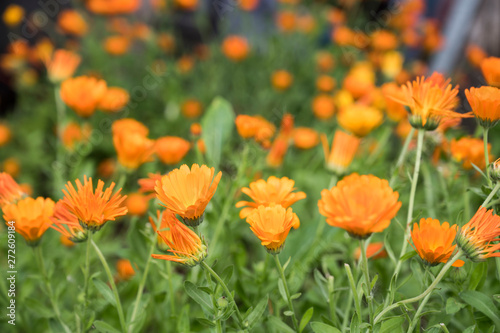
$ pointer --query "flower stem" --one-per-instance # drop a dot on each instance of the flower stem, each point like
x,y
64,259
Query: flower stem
x,y
354,291
402,156
60,118
218,324
86,274
287,292
492,194
486,155
364,267
415,319
171,288
225,288
426,292
113,286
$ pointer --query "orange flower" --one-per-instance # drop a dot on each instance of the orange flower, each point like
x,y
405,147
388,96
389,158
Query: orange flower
x,y
72,22
200,145
113,7
361,205
485,103
191,108
395,111
305,138
83,94
374,250
236,48
106,168
323,107
248,5
187,4
277,152
10,191
13,15
343,36
62,65
271,224
324,61
73,133
31,217
5,134
185,64
383,40
66,241
195,129
11,166
185,245
490,68
475,55
429,99
479,237
325,83
360,81
137,204
254,127
132,146
166,42
360,119
281,80
114,99
129,125
117,45
163,231
433,241
275,190
93,209
187,192
344,147
469,151
286,20
148,184
124,269
67,224
171,149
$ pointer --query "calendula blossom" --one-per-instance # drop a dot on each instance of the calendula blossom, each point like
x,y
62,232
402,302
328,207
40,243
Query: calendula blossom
x,y
485,103
67,224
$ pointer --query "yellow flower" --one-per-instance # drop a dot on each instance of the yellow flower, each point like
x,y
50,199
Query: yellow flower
x,y
359,119
13,15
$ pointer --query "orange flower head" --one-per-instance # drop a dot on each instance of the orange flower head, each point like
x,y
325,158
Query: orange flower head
x,y
374,250
361,205
147,185
185,64
277,152
475,55
433,241
485,103
360,119
83,94
248,5
66,241
124,269
305,138
31,217
392,64
187,4
325,83
117,45
106,168
183,243
281,80
254,127
323,107
478,239
191,108
129,125
163,231
62,65
286,20
66,223
383,40
279,191
5,134
11,166
71,22
137,204
429,100
469,151
195,129
395,111
343,36
10,191
114,99
171,149
13,15
73,133
166,42
132,146
235,48
491,72
344,148
187,192
325,61
360,80
93,208
271,224
495,171
113,7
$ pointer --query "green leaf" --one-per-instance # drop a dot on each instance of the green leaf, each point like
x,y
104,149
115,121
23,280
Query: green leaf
x,y
227,273
38,308
206,322
408,255
183,321
392,325
478,275
319,327
281,288
286,263
102,326
217,124
105,291
482,303
372,284
496,297
198,296
321,281
288,313
257,312
470,329
306,318
280,326
295,296
453,306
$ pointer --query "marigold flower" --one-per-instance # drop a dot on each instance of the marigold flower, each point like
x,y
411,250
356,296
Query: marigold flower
x,y
200,145
185,245
5,134
433,241
271,224
325,83
254,127
286,20
343,36
106,168
117,45
195,129
305,138
344,147
383,40
65,241
277,152
429,100
10,191
323,107
83,94
11,166
392,64
93,209
469,151
479,237
62,65
171,149
305,23
113,7
186,4
13,15
360,119
132,146
485,103
324,61
137,204
148,184
31,217
166,42
395,111
248,5
129,125
361,205
360,81
236,48
74,133
191,108
187,192
185,64
281,80
374,250
275,190
490,68
72,22
475,55
114,99
124,269
66,223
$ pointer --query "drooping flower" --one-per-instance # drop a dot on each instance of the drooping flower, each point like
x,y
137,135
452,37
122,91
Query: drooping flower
x,y
490,68
469,151
187,192
485,103
183,243
344,148
93,208
479,237
271,224
83,94
235,48
66,223
281,80
31,217
274,191
359,119
62,65
114,99
10,191
361,205
171,149
72,22
433,241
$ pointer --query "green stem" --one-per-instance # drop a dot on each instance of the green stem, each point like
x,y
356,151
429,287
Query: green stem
x,y
347,311
366,273
414,181
218,325
416,318
86,274
354,291
331,299
287,292
492,194
60,118
226,290
426,292
113,286
486,157
171,288
402,156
